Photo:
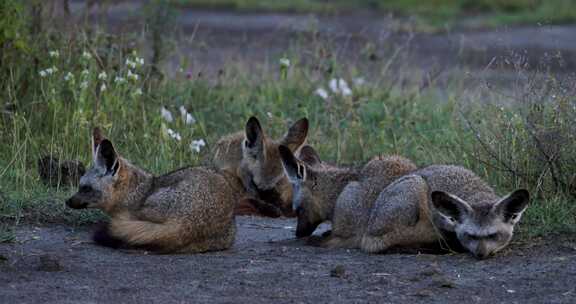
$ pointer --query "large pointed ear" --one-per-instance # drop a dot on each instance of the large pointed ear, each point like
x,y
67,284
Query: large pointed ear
x,y
97,138
450,206
106,157
309,156
254,134
295,171
296,135
512,206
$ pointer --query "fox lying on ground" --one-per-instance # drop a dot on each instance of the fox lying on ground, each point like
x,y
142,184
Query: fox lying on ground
x,y
322,192
186,211
438,204
252,158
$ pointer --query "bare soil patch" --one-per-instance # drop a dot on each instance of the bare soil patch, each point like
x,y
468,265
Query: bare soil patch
x,y
57,264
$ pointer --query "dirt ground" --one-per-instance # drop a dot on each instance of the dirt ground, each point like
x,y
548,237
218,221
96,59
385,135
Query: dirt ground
x,y
57,264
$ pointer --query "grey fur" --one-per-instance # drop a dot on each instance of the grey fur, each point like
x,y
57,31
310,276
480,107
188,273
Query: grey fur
x,y
437,202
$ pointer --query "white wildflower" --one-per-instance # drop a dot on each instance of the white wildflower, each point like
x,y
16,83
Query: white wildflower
x,y
102,75
139,61
166,115
84,85
138,92
359,81
186,117
196,145
119,79
132,76
54,69
333,84
174,134
344,88
42,73
339,86
284,62
87,55
322,93
130,63
269,114
103,87
85,72
69,76
54,54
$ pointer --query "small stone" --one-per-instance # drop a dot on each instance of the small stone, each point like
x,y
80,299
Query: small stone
x,y
49,263
423,293
444,283
338,272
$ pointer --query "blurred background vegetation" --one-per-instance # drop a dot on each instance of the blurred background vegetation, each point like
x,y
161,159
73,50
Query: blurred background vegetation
x,y
56,84
434,13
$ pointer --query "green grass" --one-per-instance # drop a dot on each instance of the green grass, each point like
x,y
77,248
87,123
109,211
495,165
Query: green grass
x,y
436,14
384,116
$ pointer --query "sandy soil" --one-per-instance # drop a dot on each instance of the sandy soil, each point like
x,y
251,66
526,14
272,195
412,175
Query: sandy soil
x,y
57,264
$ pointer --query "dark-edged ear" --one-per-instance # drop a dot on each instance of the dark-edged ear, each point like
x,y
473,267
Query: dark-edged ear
x,y
309,156
293,170
296,135
97,138
450,205
106,157
254,133
512,206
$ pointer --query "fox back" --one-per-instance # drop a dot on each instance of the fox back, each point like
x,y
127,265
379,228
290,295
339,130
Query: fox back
x,y
320,189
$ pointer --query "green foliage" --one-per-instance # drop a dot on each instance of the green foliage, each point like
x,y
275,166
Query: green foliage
x,y
12,25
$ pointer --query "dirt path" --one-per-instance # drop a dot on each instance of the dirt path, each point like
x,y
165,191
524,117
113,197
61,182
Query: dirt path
x,y
57,264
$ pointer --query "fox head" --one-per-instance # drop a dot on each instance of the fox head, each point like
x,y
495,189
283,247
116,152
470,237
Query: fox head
x,y
482,229
312,188
261,159
106,183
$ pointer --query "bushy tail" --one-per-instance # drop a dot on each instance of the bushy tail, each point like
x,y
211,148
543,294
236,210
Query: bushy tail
x,y
148,235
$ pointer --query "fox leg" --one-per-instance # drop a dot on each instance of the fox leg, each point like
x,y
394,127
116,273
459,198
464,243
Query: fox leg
x,y
347,221
333,242
397,218
103,237
252,206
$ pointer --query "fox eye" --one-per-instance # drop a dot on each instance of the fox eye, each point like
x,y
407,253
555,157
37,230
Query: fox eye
x,y
492,236
85,189
472,237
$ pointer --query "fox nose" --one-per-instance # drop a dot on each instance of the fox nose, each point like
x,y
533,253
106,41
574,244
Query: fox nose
x,y
481,252
75,204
